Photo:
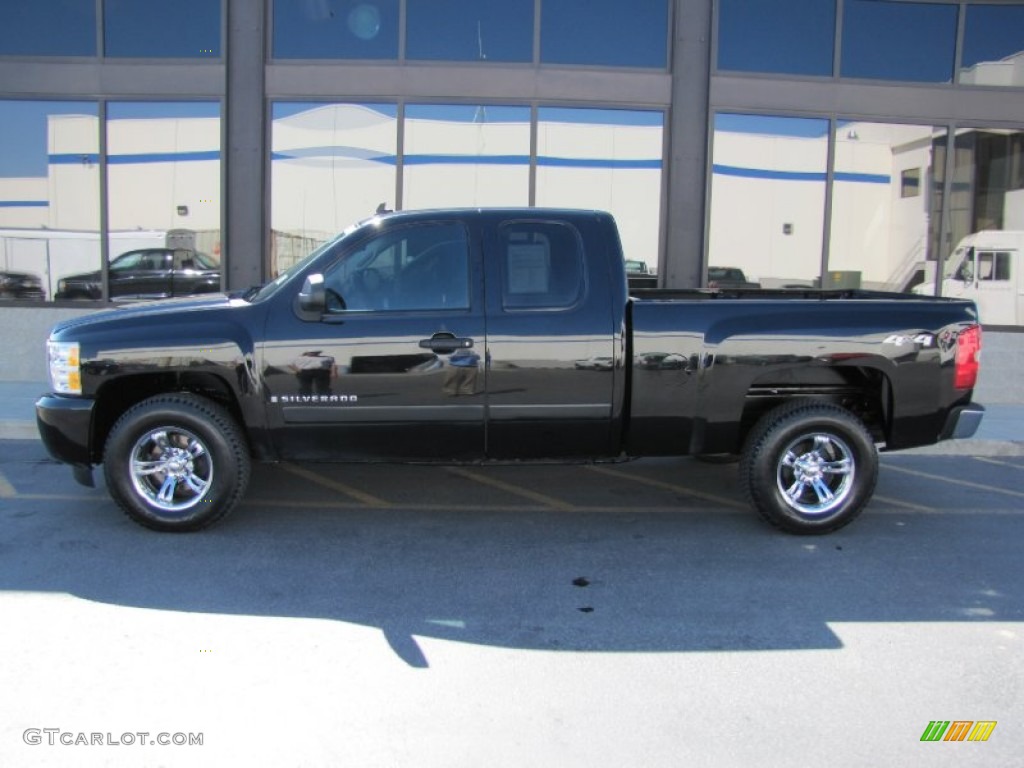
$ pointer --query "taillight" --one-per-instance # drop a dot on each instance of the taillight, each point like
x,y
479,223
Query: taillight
x,y
968,356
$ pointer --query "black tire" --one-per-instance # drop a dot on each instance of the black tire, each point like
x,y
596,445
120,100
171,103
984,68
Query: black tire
x,y
176,462
809,467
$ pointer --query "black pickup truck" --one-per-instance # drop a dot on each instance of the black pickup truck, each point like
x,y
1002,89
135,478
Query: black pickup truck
x,y
456,335
148,273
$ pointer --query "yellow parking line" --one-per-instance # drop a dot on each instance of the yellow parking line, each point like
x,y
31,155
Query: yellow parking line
x,y
459,508
6,489
904,504
334,485
540,498
953,481
55,497
996,462
669,487
303,503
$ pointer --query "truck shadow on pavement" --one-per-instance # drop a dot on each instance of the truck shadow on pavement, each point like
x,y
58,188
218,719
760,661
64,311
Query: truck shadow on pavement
x,y
636,577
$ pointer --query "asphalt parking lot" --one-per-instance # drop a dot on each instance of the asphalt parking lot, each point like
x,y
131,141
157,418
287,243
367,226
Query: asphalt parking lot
x,y
612,614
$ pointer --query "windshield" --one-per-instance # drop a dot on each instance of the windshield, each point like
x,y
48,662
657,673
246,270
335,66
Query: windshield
x,y
272,287
961,266
204,261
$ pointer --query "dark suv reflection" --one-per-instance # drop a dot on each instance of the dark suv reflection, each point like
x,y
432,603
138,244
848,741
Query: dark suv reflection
x,y
21,285
149,273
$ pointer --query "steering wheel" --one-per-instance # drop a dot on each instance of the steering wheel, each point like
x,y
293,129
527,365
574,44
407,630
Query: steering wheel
x,y
370,280
333,300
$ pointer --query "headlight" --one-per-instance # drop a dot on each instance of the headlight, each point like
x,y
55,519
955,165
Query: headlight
x,y
65,371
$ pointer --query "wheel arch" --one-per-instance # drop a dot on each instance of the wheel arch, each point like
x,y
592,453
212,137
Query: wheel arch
x,y
117,396
863,390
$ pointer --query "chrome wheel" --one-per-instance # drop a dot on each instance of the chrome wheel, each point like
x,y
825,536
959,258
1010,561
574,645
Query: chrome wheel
x,y
176,462
171,468
809,467
816,473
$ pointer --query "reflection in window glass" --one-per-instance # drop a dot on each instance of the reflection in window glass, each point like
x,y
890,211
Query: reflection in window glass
x,y
163,192
53,28
332,165
181,29
994,45
910,182
898,41
1016,152
466,156
605,32
608,160
541,265
423,266
469,30
993,266
986,214
993,200
985,197
335,29
880,220
788,36
768,198
49,195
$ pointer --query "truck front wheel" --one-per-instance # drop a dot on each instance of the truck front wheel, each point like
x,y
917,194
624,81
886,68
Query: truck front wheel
x,y
176,462
809,467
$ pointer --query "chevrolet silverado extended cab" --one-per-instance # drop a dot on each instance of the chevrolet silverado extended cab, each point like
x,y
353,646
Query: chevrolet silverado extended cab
x,y
455,336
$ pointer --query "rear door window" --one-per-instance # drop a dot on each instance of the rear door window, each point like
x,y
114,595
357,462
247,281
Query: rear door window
x,y
542,265
993,266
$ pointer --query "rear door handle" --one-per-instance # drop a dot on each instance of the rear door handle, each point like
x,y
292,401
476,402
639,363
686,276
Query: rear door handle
x,y
445,343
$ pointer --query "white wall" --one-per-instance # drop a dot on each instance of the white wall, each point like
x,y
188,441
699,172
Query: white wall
x,y
333,164
22,190
1013,210
874,230
748,215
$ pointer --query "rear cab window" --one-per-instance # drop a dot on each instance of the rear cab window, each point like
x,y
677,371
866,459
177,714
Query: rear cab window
x,y
542,265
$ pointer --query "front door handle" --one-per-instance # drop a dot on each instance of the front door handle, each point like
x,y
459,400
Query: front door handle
x,y
445,343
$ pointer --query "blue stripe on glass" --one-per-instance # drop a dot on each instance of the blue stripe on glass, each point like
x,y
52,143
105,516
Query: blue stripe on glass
x,y
74,159
863,178
355,153
762,173
151,157
24,203
509,160
573,162
163,157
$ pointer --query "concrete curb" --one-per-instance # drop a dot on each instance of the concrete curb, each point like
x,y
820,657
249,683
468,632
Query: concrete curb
x,y
18,430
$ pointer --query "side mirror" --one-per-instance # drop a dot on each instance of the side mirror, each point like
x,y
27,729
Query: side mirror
x,y
313,296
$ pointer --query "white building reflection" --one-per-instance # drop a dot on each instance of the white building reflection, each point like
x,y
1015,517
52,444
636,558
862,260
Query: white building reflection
x,y
332,164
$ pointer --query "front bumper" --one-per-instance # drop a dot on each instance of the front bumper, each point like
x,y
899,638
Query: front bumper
x,y
963,421
65,426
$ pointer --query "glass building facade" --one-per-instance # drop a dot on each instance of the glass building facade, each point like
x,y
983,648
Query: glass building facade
x,y
832,143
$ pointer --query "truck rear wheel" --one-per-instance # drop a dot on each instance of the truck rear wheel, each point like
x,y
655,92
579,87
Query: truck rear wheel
x,y
809,467
176,462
